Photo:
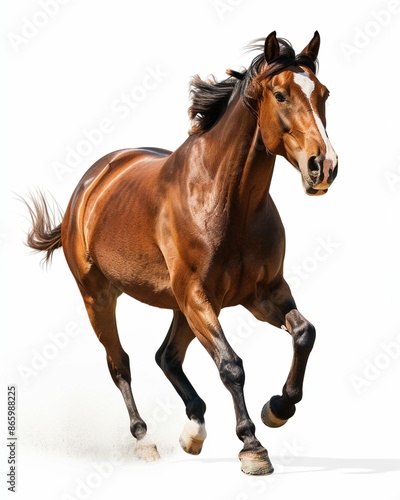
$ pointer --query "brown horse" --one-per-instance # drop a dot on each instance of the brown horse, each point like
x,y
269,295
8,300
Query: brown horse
x,y
196,230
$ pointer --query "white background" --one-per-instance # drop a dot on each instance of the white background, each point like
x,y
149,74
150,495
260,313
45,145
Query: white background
x,y
67,75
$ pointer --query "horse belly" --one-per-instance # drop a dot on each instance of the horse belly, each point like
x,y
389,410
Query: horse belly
x,y
137,269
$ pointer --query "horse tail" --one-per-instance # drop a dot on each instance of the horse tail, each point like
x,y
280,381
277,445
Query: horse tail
x,y
45,234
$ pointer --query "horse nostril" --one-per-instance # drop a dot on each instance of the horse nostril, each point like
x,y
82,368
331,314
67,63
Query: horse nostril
x,y
314,167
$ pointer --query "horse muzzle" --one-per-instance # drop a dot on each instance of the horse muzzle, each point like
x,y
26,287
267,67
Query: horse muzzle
x,y
321,172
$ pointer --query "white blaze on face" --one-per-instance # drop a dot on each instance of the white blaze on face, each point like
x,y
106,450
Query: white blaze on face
x,y
307,86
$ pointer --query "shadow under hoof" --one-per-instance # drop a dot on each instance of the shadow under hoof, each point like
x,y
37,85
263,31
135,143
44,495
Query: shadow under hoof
x,y
269,419
192,437
147,451
256,464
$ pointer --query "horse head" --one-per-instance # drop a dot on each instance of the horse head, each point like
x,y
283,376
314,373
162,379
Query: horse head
x,y
290,106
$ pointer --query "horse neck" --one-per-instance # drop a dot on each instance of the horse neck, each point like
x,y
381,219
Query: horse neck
x,y
237,160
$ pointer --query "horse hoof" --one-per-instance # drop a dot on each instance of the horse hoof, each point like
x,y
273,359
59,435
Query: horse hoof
x,y
147,451
256,464
192,437
269,418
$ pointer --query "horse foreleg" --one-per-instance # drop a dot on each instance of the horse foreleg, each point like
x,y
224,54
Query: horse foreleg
x,y
170,357
279,409
203,321
278,308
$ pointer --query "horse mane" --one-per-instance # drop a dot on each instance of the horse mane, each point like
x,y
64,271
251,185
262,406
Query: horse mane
x,y
209,101
210,98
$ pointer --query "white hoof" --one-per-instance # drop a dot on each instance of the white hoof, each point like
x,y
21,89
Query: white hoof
x,y
146,450
192,437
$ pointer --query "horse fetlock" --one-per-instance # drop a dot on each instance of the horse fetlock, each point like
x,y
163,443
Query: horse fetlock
x,y
138,429
196,409
275,413
269,418
292,394
245,431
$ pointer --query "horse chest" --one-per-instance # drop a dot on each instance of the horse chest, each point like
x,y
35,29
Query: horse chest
x,y
241,269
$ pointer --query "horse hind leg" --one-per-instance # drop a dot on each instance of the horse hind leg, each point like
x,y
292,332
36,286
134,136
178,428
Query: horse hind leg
x,y
100,299
170,357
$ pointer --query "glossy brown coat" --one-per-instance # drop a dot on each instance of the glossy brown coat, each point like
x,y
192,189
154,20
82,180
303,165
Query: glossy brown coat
x,y
196,230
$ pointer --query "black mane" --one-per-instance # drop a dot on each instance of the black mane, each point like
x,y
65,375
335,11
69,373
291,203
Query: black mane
x,y
210,98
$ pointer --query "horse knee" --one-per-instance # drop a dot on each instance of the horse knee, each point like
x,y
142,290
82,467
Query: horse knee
x,y
302,331
304,338
232,372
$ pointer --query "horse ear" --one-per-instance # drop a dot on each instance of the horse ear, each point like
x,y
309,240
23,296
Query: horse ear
x,y
311,50
271,47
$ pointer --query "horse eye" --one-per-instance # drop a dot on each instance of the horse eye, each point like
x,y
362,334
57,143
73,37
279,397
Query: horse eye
x,y
279,97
